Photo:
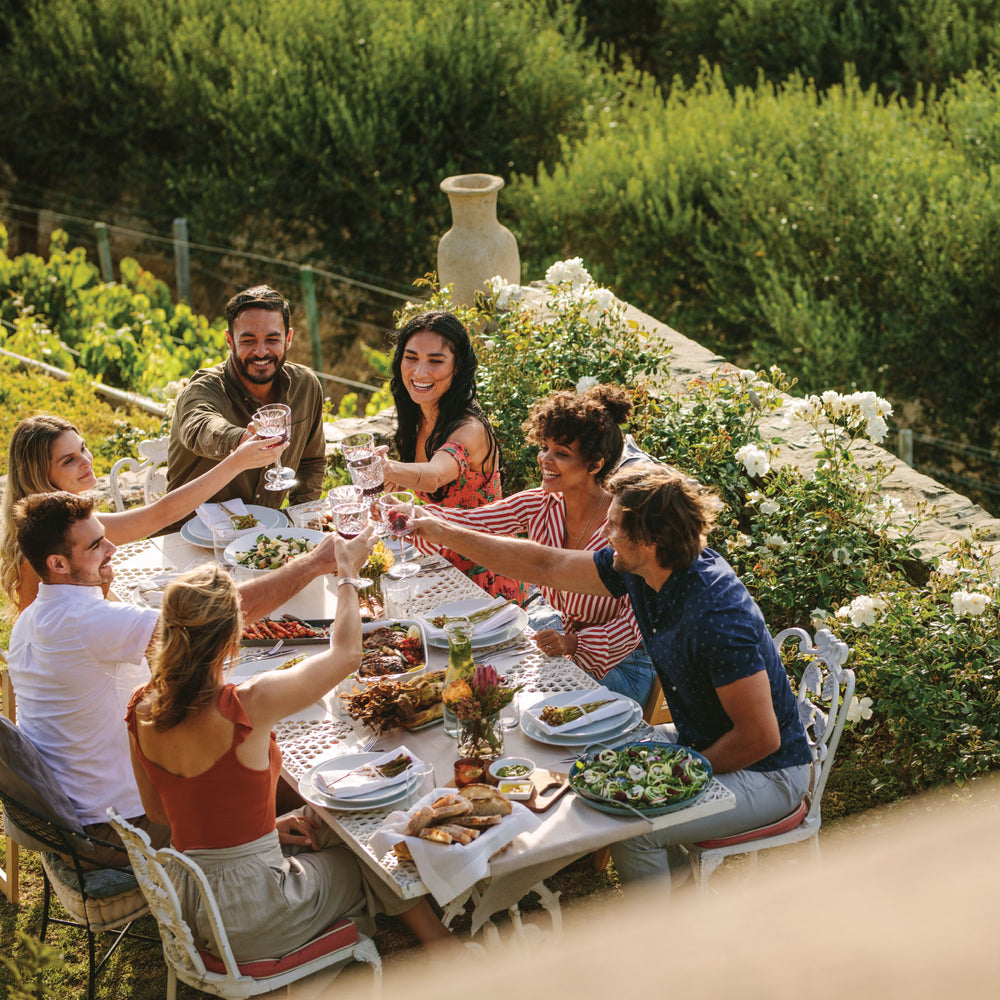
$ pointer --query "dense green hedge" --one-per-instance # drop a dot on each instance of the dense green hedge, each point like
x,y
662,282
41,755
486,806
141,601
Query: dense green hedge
x,y
322,127
845,238
903,46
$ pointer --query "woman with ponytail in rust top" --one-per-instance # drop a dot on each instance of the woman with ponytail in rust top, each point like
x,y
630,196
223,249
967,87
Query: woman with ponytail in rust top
x,y
207,763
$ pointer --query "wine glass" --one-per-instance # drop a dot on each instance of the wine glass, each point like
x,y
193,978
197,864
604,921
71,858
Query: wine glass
x,y
397,516
351,519
359,445
275,421
367,472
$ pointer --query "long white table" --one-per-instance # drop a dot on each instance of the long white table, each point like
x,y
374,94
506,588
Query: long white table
x,y
570,828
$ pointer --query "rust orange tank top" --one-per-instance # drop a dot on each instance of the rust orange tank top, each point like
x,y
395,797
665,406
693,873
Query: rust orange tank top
x,y
227,805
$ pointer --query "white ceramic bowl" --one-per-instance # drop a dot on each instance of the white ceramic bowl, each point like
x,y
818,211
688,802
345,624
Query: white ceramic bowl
x,y
242,545
517,762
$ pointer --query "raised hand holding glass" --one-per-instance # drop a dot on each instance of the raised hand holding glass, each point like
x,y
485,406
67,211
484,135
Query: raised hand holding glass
x,y
350,520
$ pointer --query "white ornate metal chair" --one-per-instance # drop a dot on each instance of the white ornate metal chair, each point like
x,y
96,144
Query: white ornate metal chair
x,y
152,461
824,697
225,977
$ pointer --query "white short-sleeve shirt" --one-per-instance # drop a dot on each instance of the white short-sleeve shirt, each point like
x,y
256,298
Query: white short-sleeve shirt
x,y
74,660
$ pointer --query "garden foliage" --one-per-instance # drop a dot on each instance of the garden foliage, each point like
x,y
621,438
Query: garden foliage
x,y
904,46
321,127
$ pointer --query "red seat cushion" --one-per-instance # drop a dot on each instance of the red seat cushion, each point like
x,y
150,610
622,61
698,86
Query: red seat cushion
x,y
790,822
336,936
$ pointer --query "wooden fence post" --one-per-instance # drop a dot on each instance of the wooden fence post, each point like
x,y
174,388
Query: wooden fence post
x,y
182,261
104,252
312,314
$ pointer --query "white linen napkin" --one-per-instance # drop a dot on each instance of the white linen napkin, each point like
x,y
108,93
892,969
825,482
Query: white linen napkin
x,y
618,705
448,870
151,589
353,781
492,624
211,514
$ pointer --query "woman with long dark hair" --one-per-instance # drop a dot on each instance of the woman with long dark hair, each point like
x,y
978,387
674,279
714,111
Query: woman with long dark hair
x,y
448,452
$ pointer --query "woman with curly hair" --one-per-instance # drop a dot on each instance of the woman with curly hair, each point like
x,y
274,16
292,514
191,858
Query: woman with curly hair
x,y
207,763
47,453
580,444
447,449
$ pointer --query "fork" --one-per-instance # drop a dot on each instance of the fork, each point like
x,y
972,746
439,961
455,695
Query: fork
x,y
251,657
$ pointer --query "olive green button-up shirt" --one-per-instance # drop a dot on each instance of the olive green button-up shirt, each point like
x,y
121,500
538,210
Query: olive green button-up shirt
x,y
212,413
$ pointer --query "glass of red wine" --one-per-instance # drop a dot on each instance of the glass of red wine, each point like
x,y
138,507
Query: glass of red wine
x,y
397,517
351,519
275,421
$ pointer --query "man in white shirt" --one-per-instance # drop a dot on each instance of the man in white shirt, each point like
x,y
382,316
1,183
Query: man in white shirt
x,y
75,658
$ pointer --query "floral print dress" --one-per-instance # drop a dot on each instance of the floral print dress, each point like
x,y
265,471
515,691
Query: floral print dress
x,y
473,489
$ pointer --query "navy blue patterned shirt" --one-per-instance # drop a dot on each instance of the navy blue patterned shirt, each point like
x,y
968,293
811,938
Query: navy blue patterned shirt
x,y
703,631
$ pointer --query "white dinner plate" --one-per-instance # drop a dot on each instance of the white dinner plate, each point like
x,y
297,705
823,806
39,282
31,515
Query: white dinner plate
x,y
486,633
195,532
378,799
601,730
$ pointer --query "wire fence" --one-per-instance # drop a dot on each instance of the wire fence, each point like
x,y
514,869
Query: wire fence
x,y
340,308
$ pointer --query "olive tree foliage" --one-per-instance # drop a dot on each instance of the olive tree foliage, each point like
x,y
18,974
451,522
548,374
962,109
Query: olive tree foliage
x,y
321,128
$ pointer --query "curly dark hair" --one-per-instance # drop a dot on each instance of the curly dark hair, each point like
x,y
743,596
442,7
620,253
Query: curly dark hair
x,y
661,506
589,418
455,406
43,522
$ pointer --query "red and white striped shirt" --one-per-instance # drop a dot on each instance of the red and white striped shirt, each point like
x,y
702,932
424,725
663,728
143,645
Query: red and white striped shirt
x,y
607,628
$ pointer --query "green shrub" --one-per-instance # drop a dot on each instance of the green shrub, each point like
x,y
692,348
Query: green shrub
x,y
323,126
110,433
904,47
838,236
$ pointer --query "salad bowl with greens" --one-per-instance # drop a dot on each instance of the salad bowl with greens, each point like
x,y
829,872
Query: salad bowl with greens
x,y
649,778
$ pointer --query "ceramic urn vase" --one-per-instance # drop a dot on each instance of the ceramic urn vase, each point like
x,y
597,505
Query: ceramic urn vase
x,y
477,246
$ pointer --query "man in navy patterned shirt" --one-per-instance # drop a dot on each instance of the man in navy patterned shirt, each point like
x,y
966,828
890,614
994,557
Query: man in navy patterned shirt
x,y
722,677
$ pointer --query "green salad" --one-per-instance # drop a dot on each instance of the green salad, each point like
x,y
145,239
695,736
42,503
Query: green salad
x,y
271,552
642,774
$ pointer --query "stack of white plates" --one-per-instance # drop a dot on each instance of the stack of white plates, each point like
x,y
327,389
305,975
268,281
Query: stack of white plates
x,y
599,731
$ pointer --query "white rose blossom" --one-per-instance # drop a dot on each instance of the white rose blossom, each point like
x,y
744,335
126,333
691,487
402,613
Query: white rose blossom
x,y
966,602
769,507
569,272
818,617
947,567
859,709
587,382
841,556
862,610
876,429
754,460
775,542
505,293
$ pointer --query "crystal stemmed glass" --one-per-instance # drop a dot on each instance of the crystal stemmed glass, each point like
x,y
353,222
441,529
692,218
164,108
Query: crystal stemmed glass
x,y
351,519
397,516
275,421
367,473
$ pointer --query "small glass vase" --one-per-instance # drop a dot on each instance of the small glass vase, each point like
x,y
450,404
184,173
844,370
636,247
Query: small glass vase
x,y
481,738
